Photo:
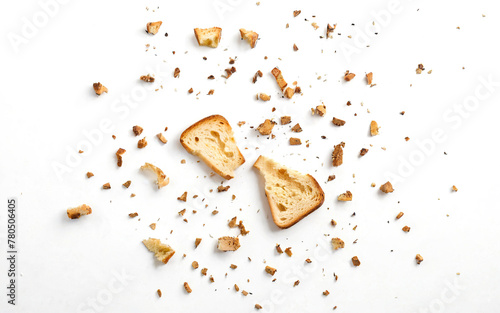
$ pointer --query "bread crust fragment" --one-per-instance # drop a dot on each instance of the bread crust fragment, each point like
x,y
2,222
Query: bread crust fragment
x,y
277,208
209,37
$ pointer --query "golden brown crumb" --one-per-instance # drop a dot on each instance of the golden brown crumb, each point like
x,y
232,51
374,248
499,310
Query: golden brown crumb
x,y
250,36
99,88
326,293
348,76
106,186
244,292
147,78
90,174
137,130
407,138
210,92
374,128
258,306
295,141
363,151
296,283
454,188
286,120
320,110
369,78
329,30
338,154
188,289
338,122
295,48
288,251
308,260
197,242
315,25
347,196
337,243
289,92
331,177
257,74
158,292
195,265
204,271
211,278
334,223
279,78
236,287
132,195
420,68
296,13
266,128
190,90
264,97
153,27
161,178
270,270
223,189
177,71
214,212
387,187
233,266
79,211
406,229
161,137
297,128
181,212
153,226
419,258
142,143
355,261
183,197
227,243
400,215
119,154
230,71
278,248
133,214
127,184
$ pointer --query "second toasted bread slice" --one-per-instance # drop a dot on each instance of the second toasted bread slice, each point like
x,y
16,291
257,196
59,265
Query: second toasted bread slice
x,y
291,195
212,140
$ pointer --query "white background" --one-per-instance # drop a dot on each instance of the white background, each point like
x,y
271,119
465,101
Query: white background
x,y
47,105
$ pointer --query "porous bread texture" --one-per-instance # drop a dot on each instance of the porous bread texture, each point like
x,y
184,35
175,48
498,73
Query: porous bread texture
x,y
162,251
291,195
209,37
212,140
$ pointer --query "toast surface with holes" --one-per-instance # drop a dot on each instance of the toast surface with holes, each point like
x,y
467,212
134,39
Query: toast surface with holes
x,y
291,195
212,140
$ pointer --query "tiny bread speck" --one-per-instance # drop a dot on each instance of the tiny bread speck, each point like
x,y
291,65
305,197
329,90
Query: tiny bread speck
x,y
258,306
355,261
99,89
286,120
400,215
419,258
159,293
278,249
369,78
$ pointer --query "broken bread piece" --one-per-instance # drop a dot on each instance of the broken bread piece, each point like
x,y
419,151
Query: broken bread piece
x,y
162,251
212,140
227,243
291,195
209,37
79,211
161,179
250,36
153,27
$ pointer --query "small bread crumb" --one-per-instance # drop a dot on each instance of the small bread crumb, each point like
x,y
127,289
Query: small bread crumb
x,y
355,261
295,141
270,270
137,130
195,264
188,289
400,215
337,243
75,213
288,251
266,128
387,187
227,243
454,188
338,154
147,78
258,306
297,128
183,197
348,76
264,97
90,174
99,88
419,258
106,186
161,137
119,158
159,293
161,178
374,128
369,78
153,27
286,120
197,242
406,229
320,110
142,143
338,122
346,196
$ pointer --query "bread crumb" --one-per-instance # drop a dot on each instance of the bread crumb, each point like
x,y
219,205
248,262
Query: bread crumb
x,y
245,293
161,137
297,128
183,197
338,122
99,88
197,242
278,249
334,223
348,76
295,48
296,283
153,27
279,78
289,92
326,293
308,260
77,212
270,270
264,97
209,37
142,143
387,187
400,215
454,188
374,128
119,158
153,226
338,154
346,196
137,130
227,243
369,78
355,261
204,271
250,36
161,251
266,128
288,251
406,229
106,186
90,174
320,110
188,289
132,215
329,30
419,258
161,179
236,287
286,120
147,78
295,141
159,293
223,189
233,266
258,306
195,264
296,13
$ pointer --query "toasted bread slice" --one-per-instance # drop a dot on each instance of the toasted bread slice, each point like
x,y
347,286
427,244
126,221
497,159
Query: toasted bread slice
x,y
212,140
291,195
162,251
209,37
250,36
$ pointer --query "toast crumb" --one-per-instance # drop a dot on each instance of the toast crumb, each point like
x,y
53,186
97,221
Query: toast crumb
x,y
204,271
162,251
334,223
387,187
329,30
153,226
142,143
153,27
320,110
338,122
127,184
266,128
264,97
227,243
233,266
188,289
331,177
289,92
147,78
315,25
161,137
406,229
81,210
159,293
295,141
183,197
99,88
250,36
400,215
308,260
161,179
355,261
106,186
278,249
348,76
132,215
137,130
454,188
363,151
419,69
279,78
296,283
270,270
326,293
374,128
347,196
295,48
297,128
338,154
119,158
90,174
232,223
286,120
195,265
296,13
223,189
369,78
236,288
197,242
258,306
337,243
209,37
288,251
244,292
419,258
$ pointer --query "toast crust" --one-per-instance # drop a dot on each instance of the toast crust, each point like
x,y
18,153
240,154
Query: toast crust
x,y
274,207
211,118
